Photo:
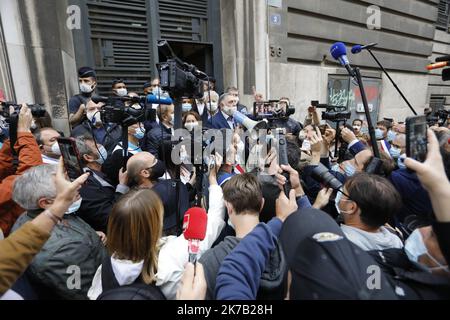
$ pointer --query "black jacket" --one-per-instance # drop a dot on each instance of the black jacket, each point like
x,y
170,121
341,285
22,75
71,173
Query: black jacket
x,y
98,200
273,283
410,281
155,139
112,138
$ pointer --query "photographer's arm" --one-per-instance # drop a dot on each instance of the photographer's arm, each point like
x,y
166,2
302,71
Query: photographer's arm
x,y
75,118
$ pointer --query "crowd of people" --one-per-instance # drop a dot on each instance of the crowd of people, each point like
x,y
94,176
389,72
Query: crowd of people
x,y
274,230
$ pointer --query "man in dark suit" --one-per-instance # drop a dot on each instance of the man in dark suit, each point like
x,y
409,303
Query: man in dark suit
x,y
224,118
235,93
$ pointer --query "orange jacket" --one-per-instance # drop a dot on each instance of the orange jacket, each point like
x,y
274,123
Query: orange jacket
x,y
29,156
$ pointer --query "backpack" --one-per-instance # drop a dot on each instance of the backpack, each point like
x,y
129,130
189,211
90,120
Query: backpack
x,y
135,291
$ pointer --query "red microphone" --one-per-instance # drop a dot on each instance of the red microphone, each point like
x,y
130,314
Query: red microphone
x,y
194,230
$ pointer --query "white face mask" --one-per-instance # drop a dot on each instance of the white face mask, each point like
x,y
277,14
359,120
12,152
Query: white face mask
x,y
94,117
212,107
55,149
415,248
229,111
191,125
337,200
302,135
86,88
306,146
122,92
74,207
33,125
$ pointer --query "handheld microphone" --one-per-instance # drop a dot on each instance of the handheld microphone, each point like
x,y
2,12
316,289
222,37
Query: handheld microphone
x,y
438,65
443,58
339,52
194,230
358,48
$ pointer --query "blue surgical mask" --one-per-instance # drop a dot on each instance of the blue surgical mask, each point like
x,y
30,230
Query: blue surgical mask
x,y
139,133
74,207
103,155
1,145
337,200
391,135
186,107
349,170
395,152
379,134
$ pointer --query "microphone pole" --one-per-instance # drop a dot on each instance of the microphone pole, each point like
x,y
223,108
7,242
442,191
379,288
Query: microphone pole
x,y
392,81
358,77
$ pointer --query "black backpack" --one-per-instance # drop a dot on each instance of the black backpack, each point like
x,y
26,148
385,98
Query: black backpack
x,y
135,291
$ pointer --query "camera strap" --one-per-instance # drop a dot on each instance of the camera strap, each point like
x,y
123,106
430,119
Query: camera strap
x,y
14,120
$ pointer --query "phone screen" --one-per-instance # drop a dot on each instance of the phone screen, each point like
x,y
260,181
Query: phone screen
x,y
264,109
71,158
416,138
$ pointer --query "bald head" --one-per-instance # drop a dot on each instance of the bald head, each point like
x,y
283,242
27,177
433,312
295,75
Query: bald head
x,y
138,168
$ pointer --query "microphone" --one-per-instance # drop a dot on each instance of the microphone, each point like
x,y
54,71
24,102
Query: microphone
x,y
443,58
152,99
339,52
194,230
438,65
358,48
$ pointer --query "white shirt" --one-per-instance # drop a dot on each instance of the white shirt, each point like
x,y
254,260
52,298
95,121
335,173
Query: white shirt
x,y
173,254
230,122
384,239
200,108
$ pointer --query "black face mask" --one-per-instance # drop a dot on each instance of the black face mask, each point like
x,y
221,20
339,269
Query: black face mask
x,y
157,171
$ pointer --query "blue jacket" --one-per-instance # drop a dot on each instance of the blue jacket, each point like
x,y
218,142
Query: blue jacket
x,y
218,122
155,139
415,198
357,148
241,271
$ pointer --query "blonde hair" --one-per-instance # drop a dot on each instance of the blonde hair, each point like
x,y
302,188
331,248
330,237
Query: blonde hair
x,y
134,230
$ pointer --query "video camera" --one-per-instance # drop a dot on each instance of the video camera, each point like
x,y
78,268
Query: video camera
x,y
272,110
127,116
439,117
177,77
37,110
333,113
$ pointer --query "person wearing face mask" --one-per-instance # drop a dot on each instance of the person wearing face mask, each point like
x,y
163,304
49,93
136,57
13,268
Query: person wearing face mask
x,y
87,79
224,118
114,162
191,120
235,93
46,139
157,138
186,105
106,134
381,134
119,88
98,193
145,171
71,242
366,204
206,107
398,150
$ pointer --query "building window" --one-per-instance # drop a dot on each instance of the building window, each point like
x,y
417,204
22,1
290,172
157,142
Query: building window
x,y
437,102
443,15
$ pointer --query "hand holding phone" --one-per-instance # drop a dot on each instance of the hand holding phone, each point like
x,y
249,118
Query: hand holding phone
x,y
416,138
71,157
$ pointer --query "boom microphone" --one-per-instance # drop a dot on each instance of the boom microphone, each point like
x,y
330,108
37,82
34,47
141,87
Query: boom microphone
x,y
339,52
443,58
150,99
358,48
194,230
